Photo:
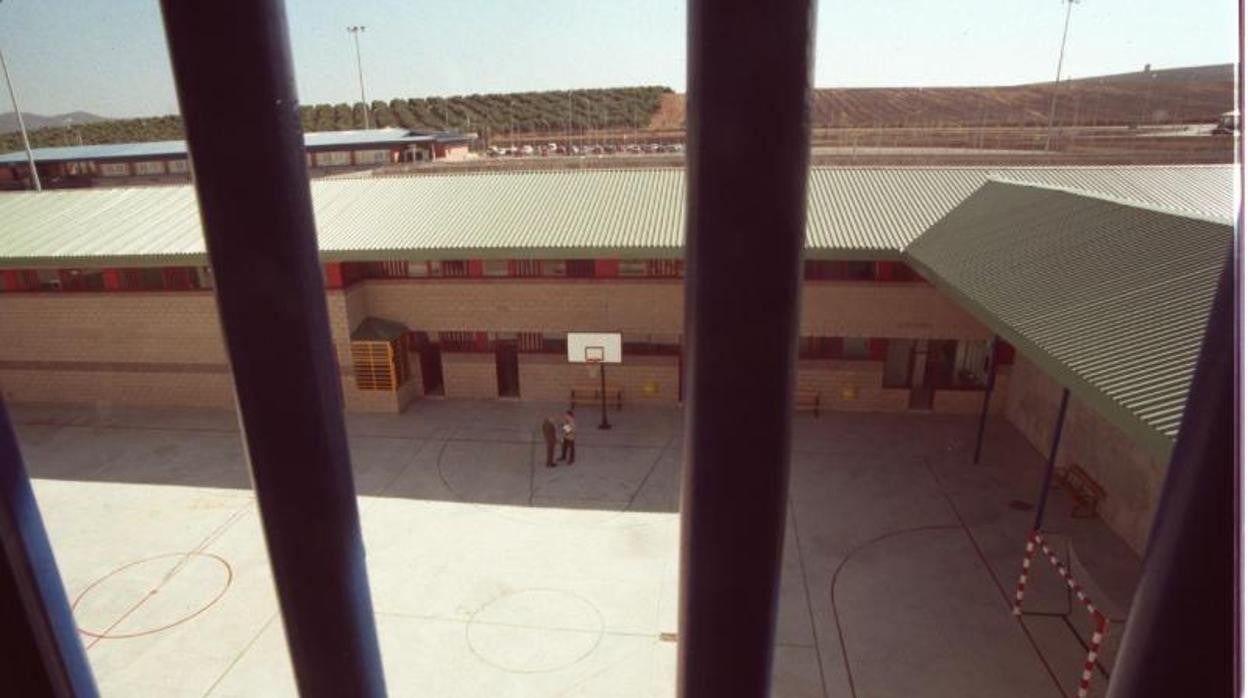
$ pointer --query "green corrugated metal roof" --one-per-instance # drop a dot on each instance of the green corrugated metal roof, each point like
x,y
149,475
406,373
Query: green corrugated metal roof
x,y
1108,297
853,212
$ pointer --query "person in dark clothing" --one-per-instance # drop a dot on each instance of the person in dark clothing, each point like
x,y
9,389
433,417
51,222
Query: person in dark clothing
x,y
569,438
548,433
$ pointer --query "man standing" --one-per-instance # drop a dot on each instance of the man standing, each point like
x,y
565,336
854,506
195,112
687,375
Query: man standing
x,y
569,438
548,433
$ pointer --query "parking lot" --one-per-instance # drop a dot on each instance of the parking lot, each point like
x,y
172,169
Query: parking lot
x,y
494,576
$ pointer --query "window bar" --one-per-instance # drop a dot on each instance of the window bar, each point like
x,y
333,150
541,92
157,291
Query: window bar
x,y
1182,638
235,82
749,73
42,653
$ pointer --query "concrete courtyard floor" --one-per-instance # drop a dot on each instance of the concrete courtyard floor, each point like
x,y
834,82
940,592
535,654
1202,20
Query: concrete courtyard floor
x,y
494,576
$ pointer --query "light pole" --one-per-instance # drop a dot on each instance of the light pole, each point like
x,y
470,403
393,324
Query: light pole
x,y
1057,81
359,66
21,125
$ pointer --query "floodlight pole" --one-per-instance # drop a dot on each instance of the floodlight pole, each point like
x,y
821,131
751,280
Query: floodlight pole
x,y
21,125
1057,81
602,373
359,67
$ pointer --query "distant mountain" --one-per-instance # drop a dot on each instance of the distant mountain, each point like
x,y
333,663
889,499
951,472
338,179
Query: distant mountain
x,y
8,120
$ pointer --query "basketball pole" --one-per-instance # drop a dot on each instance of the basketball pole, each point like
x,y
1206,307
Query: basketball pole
x,y
602,392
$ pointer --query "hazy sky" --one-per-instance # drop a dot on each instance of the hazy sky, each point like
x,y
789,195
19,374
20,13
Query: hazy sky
x,y
109,56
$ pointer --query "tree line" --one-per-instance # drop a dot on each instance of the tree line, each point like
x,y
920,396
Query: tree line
x,y
516,112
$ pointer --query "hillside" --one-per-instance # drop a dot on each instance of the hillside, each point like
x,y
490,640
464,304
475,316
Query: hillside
x,y
1194,95
521,112
8,120
1178,95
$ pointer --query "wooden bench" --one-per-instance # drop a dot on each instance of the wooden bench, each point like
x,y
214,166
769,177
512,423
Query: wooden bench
x,y
806,401
592,395
1086,492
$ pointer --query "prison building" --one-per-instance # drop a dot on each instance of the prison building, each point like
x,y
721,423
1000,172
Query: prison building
x,y
165,162
1095,280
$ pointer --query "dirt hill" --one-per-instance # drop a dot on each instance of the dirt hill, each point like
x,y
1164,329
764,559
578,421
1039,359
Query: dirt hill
x,y
1179,95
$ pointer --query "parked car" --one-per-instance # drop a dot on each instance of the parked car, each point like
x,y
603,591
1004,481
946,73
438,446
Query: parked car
x,y
526,150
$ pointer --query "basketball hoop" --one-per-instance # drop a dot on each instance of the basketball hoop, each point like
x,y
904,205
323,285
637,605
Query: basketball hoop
x,y
596,350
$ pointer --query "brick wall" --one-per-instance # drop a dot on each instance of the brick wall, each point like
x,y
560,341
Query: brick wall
x,y
471,376
828,378
118,388
554,307
111,327
911,310
550,377
1131,476
972,401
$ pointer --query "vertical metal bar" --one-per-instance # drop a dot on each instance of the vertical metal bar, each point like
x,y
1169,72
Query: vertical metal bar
x,y
749,73
1181,639
602,373
21,126
232,67
1048,473
983,412
39,643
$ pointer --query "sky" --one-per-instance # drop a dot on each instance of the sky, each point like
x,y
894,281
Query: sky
x,y
109,56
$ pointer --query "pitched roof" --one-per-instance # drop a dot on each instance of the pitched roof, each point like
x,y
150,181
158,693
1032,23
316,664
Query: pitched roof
x,y
313,140
852,212
1109,298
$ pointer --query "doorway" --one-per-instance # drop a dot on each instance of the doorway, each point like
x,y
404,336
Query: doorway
x,y
507,361
431,368
932,368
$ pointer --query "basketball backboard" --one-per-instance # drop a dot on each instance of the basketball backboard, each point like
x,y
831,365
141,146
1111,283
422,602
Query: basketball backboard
x,y
594,347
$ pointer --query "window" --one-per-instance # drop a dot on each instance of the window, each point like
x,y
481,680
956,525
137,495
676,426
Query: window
x,y
530,342
449,268
114,169
671,268
855,348
970,365
526,267
457,341
79,168
387,270
178,166
82,280
495,267
149,167
634,267
825,270
333,158
372,157
580,268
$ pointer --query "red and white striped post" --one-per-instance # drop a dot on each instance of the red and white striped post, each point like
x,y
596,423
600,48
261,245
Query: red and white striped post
x,y
1099,621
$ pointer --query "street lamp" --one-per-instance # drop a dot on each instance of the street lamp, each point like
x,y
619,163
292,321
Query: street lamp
x,y
1057,81
21,125
359,66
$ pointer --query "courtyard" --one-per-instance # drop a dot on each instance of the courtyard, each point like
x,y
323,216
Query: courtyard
x,y
492,575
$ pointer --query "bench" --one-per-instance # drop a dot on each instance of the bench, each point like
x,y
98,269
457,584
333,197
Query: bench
x,y
1086,492
806,401
592,395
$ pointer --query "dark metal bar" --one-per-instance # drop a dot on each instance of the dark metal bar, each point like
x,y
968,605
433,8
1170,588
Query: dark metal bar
x,y
749,73
602,373
1180,638
1048,472
983,412
231,63
39,645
